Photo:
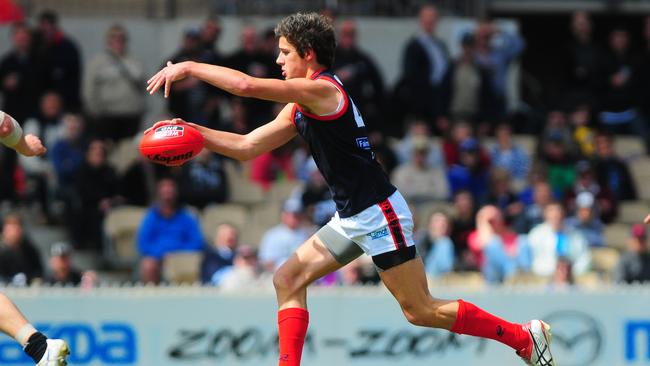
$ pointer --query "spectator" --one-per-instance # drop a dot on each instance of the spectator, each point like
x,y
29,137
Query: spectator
x,y
634,265
583,134
424,86
606,205
21,79
221,253
494,247
272,166
533,214
551,240
243,272
584,57
469,83
384,154
113,93
360,74
20,261
46,122
418,181
495,57
463,223
352,273
557,152
436,247
611,171
96,194
61,271
469,174
62,60
279,242
643,79
166,228
585,221
507,155
418,129
563,276
460,131
8,166
137,185
210,33
316,197
502,196
617,92
203,180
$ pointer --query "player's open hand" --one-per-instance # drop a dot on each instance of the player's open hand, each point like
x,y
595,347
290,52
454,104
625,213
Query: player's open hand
x,y
165,77
32,147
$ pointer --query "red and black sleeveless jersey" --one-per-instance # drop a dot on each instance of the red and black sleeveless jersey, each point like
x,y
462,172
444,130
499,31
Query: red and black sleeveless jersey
x,y
339,144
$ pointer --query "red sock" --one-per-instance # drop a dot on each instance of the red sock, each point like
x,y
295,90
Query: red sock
x,y
292,325
473,321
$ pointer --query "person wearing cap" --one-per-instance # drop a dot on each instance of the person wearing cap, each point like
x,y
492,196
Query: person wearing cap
x,y
634,264
585,221
61,271
279,242
419,181
469,174
605,203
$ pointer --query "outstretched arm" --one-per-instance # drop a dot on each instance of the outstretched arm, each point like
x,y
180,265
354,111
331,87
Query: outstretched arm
x,y
11,135
245,147
318,96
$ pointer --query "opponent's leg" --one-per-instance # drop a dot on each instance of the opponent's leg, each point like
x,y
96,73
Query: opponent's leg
x,y
310,262
408,283
44,352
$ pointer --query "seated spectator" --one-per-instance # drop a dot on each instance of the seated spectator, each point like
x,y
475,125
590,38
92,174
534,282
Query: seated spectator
x,y
557,151
221,253
634,265
96,194
583,134
166,228
417,130
460,132
606,205
502,196
20,261
611,171
203,180
494,247
272,166
279,242
562,280
533,214
243,272
505,154
551,240
435,246
383,153
469,174
585,221
60,271
137,184
316,196
418,181
463,223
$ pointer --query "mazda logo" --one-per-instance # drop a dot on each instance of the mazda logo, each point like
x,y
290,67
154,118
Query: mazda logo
x,y
577,337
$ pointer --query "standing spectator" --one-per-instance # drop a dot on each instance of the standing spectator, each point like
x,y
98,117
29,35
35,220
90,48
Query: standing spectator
x,y
203,180
436,247
221,253
418,181
551,240
611,171
113,93
62,60
585,221
495,57
584,57
61,272
423,90
469,174
360,74
507,155
463,223
279,242
96,193
20,261
617,93
533,214
634,265
166,228
210,33
21,79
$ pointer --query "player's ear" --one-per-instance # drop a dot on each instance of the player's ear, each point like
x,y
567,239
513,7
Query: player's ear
x,y
310,55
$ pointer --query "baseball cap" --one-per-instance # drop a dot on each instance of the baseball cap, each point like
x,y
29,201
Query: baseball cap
x,y
638,231
585,200
60,249
469,144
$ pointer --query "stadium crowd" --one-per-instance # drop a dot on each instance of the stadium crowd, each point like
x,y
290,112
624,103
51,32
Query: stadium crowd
x,y
487,201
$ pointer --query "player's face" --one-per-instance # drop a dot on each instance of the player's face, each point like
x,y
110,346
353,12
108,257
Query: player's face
x,y
293,66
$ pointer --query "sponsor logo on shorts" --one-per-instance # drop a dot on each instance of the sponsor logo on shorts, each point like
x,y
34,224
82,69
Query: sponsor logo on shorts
x,y
167,159
363,143
169,131
378,234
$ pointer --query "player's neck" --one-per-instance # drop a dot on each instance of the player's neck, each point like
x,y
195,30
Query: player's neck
x,y
314,69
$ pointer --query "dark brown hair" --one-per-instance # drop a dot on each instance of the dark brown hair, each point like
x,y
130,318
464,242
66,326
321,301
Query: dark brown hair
x,y
310,31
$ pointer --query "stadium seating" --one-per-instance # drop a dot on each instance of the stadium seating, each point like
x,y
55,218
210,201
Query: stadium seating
x,y
182,267
213,215
120,229
631,212
616,235
604,260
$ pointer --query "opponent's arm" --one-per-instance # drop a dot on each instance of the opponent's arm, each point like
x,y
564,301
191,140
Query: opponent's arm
x,y
318,95
11,135
245,147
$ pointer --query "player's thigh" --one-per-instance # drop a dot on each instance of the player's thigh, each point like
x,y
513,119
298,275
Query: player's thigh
x,y
311,261
407,282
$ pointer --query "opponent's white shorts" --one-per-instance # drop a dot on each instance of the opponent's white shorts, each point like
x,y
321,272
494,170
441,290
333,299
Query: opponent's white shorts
x,y
384,231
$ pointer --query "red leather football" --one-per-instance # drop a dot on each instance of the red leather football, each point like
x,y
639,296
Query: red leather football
x,y
171,144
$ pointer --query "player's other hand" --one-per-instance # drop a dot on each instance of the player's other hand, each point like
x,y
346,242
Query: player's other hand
x,y
165,77
174,121
647,219
32,147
